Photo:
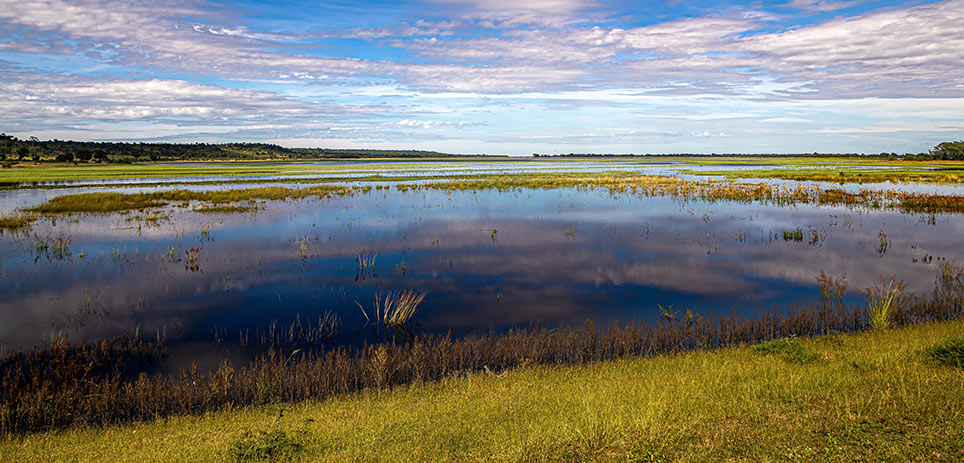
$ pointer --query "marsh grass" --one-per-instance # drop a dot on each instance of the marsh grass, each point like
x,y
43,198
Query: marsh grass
x,y
297,334
832,290
393,308
16,223
883,302
221,200
365,263
225,209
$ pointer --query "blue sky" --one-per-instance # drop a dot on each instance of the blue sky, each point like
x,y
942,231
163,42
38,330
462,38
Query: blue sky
x,y
490,76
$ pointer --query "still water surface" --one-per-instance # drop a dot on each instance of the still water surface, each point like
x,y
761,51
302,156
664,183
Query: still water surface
x,y
487,259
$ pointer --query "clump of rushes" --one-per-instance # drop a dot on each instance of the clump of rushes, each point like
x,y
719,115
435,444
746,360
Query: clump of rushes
x,y
393,308
884,302
365,261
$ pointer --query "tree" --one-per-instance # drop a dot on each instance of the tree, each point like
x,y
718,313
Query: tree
x,y
949,150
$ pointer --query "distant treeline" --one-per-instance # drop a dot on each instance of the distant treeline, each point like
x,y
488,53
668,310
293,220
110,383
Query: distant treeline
x,y
946,151
13,149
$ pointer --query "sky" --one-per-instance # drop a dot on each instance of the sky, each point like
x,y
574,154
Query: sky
x,y
489,76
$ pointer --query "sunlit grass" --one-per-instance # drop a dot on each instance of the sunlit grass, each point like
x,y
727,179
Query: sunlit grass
x,y
868,397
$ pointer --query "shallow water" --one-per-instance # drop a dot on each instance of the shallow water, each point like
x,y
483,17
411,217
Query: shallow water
x,y
487,259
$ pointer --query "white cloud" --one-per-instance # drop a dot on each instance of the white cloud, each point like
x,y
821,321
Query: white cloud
x,y
820,5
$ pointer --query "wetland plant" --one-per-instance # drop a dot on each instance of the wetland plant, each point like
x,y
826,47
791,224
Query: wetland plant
x,y
52,247
393,308
793,235
191,259
884,302
15,223
883,243
303,247
365,262
297,333
832,290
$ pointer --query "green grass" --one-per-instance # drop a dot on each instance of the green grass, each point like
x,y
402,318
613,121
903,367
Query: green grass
x,y
950,352
106,202
789,349
831,169
869,397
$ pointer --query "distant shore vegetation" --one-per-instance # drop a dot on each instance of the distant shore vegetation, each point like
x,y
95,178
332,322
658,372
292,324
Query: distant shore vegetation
x,y
14,150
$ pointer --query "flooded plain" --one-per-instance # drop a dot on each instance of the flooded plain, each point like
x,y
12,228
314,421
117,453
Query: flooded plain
x,y
216,285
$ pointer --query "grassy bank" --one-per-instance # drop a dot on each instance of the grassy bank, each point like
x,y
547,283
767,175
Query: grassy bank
x,y
872,396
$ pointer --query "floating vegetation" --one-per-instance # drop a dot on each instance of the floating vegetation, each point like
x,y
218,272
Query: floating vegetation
x,y
365,262
883,302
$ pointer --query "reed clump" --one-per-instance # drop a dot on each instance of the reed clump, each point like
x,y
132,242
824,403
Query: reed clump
x,y
69,384
883,302
393,308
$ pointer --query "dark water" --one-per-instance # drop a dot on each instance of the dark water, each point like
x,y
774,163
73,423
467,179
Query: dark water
x,y
487,260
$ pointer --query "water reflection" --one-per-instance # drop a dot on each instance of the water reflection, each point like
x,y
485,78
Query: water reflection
x,y
488,260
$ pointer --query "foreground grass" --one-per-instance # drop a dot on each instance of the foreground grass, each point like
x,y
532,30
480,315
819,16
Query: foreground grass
x,y
863,397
